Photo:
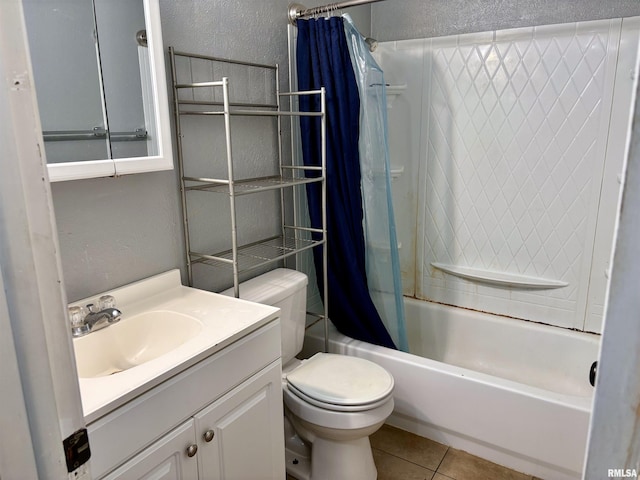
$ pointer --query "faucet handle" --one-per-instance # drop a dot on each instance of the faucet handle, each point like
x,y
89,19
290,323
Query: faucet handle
x,y
76,317
106,301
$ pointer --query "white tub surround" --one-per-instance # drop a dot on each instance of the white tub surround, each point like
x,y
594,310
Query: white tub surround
x,y
512,142
506,391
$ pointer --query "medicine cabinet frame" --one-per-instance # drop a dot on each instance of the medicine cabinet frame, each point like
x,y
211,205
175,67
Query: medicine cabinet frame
x,y
156,95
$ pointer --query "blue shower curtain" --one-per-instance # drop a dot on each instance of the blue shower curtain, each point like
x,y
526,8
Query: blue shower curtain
x,y
323,60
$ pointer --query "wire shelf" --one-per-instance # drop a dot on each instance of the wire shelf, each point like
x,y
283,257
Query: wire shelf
x,y
257,254
245,187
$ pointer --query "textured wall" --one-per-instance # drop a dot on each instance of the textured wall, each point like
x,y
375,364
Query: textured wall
x,y
404,19
114,231
117,230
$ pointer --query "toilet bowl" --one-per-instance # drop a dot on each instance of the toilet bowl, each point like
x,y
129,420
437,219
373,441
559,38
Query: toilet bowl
x,y
335,402
332,402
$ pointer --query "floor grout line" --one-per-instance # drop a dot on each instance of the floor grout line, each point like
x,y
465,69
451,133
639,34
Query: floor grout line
x,y
445,476
417,464
442,459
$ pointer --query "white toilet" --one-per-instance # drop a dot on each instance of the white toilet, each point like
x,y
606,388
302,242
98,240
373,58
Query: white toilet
x,y
333,402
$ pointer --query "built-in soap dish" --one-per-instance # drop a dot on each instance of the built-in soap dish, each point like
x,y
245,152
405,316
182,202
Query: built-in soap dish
x,y
393,91
503,279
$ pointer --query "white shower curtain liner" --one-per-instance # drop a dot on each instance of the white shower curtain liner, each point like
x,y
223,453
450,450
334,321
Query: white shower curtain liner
x,y
382,258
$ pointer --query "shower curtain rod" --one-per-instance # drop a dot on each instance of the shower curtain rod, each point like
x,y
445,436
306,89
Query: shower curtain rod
x,y
297,10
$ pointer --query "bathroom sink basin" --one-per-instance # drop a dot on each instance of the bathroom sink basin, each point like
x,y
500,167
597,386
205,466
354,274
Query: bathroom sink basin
x,y
133,341
165,329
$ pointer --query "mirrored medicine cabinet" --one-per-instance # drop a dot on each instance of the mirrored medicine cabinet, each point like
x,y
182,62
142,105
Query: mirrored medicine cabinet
x,y
100,81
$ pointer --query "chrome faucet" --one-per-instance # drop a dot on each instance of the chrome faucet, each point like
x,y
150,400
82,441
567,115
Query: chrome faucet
x,y
94,317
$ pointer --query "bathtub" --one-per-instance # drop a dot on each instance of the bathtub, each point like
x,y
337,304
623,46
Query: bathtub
x,y
513,392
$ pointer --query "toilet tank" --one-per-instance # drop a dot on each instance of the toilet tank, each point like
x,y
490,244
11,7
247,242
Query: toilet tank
x,y
287,290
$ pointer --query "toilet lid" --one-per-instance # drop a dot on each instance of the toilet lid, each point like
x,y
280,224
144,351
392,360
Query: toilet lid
x,y
341,380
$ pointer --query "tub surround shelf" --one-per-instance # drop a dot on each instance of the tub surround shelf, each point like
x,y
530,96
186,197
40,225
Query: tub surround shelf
x,y
396,171
502,279
394,91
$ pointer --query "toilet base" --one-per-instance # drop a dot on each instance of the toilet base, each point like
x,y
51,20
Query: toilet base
x,y
334,453
351,459
334,460
298,466
297,453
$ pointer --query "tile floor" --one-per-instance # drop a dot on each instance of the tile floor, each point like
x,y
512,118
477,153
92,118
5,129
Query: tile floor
x,y
400,455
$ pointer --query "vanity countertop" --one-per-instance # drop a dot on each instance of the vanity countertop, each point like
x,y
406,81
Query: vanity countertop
x,y
224,320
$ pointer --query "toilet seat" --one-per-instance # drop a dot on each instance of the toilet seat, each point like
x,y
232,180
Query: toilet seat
x,y
340,383
334,407
332,419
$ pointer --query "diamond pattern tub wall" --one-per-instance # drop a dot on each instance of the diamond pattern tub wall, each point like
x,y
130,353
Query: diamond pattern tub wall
x,y
514,156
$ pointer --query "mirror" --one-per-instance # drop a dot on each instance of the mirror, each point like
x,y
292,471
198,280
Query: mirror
x,y
100,80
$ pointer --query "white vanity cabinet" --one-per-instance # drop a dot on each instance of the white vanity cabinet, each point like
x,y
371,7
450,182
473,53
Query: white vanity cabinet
x,y
166,459
241,435
219,419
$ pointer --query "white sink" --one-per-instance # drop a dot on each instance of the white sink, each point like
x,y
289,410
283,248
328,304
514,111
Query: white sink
x,y
165,328
133,341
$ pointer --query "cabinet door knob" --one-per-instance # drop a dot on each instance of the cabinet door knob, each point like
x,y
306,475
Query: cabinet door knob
x,y
208,435
192,450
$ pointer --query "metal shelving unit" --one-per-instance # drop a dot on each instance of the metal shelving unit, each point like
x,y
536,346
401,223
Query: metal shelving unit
x,y
293,239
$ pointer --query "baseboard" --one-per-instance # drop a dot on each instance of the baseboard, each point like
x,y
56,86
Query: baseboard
x,y
486,451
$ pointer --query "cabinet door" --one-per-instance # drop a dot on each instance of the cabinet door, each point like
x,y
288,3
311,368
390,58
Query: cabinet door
x,y
248,434
166,459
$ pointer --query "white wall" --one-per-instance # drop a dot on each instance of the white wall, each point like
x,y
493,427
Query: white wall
x,y
615,434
